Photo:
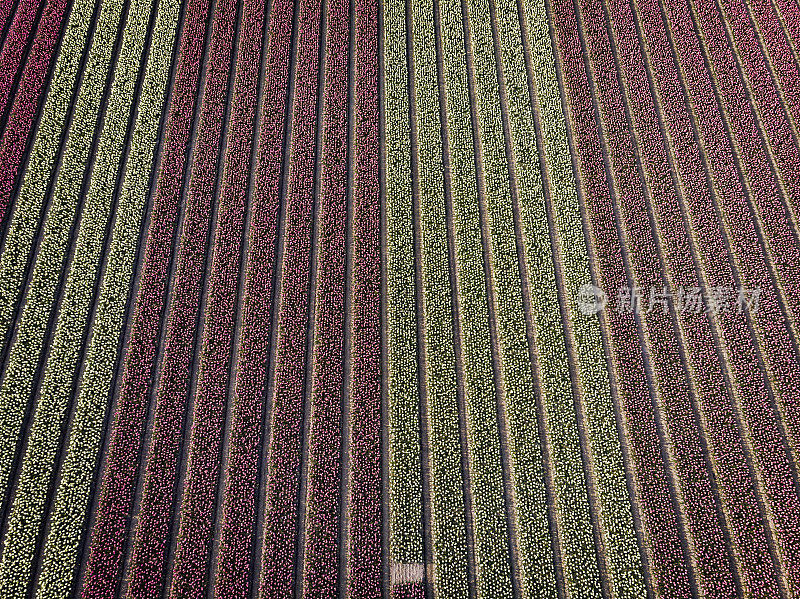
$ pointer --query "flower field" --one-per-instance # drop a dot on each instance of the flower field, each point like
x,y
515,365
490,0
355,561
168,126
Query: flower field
x,y
388,299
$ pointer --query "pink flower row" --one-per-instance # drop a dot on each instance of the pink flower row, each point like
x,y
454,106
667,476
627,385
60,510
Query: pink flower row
x,y
13,48
722,427
286,426
778,49
774,118
323,500
110,529
763,184
247,412
147,564
648,266
26,101
742,236
365,545
198,507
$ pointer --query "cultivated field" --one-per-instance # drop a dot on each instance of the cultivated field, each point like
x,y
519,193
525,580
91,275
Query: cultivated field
x,y
480,299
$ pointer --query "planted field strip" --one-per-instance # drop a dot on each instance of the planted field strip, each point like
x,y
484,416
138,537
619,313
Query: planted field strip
x,y
668,564
322,526
6,15
436,298
248,411
51,135
492,498
768,197
147,565
574,527
740,220
287,421
771,336
688,458
529,494
406,544
787,12
110,529
190,576
777,119
43,438
594,409
762,437
448,526
69,511
779,53
54,242
716,413
12,56
35,74
364,571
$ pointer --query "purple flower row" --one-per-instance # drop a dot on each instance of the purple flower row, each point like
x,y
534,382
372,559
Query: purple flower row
x,y
323,501
110,528
764,432
790,18
364,540
26,101
247,412
669,568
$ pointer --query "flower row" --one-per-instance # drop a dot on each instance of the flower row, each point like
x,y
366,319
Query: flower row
x,y
365,546
637,189
120,468
738,229
23,107
596,420
148,559
669,573
323,526
55,237
62,358
403,414
716,405
247,405
14,46
435,321
288,384
68,517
